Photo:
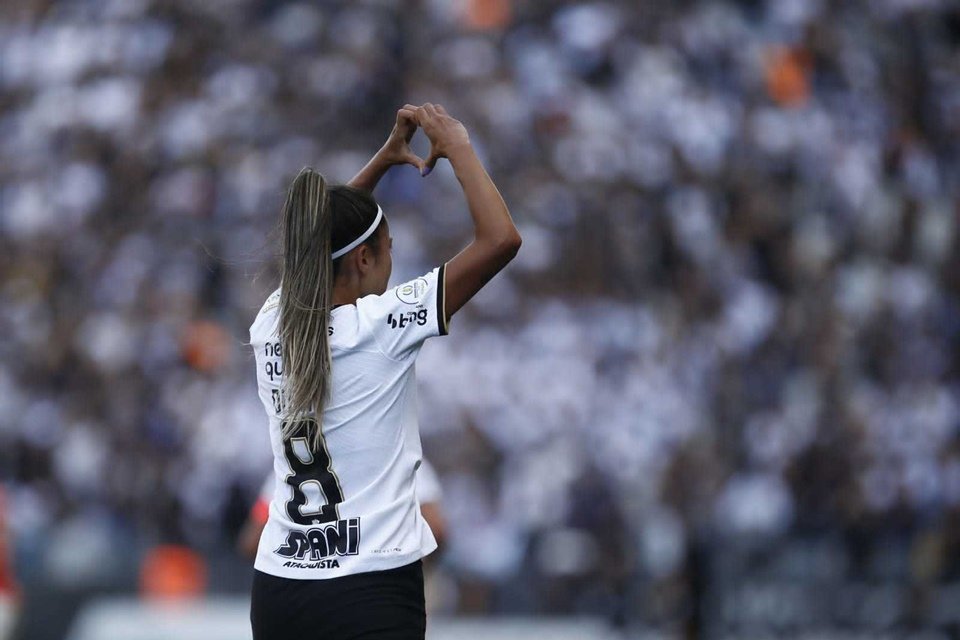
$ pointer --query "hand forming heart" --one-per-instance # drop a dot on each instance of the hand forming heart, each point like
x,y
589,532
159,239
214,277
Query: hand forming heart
x,y
443,131
397,146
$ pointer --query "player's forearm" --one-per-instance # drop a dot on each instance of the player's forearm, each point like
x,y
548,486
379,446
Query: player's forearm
x,y
370,175
493,225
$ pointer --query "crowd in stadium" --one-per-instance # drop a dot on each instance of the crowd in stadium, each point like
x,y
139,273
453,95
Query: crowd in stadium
x,y
735,312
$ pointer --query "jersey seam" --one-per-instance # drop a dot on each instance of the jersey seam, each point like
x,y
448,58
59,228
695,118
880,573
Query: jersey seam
x,y
355,349
376,341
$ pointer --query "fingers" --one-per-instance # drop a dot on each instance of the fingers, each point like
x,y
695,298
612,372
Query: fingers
x,y
407,124
430,163
426,107
415,160
408,116
423,115
427,111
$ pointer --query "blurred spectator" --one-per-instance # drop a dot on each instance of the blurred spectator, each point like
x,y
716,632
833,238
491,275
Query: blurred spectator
x,y
9,592
735,312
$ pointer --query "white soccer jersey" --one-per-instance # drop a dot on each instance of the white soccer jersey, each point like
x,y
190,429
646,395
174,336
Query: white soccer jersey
x,y
426,483
352,507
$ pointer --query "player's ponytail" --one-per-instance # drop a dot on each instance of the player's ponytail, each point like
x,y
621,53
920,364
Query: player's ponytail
x,y
306,297
317,219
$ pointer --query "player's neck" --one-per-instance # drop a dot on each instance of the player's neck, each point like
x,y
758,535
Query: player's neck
x,y
346,289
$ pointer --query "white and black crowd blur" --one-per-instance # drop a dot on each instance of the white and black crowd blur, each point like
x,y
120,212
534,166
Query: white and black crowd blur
x,y
735,313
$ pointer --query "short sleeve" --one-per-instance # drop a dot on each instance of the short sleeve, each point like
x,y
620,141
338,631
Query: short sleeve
x,y
403,317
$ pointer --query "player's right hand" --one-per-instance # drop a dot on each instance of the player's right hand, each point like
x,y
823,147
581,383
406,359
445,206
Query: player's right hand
x,y
445,133
396,150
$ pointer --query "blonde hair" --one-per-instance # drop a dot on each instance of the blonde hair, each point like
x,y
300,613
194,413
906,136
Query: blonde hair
x,y
309,232
306,294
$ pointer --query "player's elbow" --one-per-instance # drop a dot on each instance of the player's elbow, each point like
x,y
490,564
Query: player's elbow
x,y
497,249
509,245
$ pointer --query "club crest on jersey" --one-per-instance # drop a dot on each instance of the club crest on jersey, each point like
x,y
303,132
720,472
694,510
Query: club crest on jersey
x,y
411,292
341,538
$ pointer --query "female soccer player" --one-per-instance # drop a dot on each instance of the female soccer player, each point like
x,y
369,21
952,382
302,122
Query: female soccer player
x,y
335,351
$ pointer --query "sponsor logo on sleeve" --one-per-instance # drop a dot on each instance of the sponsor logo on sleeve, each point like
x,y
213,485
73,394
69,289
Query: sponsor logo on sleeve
x,y
401,320
411,292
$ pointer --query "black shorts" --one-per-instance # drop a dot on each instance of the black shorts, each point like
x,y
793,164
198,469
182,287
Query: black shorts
x,y
363,606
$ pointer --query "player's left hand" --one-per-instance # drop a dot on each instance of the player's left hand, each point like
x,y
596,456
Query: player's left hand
x,y
397,148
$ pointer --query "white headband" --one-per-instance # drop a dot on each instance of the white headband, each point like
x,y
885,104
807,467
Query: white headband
x,y
366,234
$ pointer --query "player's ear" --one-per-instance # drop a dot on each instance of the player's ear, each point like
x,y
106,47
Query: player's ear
x,y
365,258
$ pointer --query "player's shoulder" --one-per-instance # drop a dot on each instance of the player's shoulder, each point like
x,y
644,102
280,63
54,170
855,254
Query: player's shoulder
x,y
265,322
272,301
401,318
410,294
344,331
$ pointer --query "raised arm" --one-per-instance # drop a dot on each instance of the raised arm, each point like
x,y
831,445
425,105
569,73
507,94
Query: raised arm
x,y
495,237
396,150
